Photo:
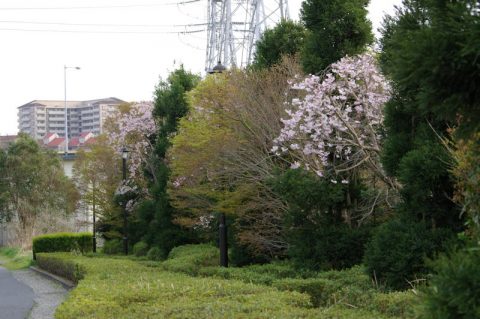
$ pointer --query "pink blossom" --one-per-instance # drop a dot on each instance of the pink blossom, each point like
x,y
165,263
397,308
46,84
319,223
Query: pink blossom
x,y
339,117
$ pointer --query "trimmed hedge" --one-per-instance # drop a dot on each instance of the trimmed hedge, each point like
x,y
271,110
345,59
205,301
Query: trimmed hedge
x,y
62,242
61,264
339,290
121,288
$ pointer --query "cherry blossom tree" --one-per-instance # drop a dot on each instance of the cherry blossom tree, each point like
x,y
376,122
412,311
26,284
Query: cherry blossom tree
x,y
133,129
335,126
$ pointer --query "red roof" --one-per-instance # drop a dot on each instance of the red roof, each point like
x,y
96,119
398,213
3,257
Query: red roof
x,y
56,142
84,134
75,141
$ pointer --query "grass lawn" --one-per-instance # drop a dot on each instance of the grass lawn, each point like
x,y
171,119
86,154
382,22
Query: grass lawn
x,y
188,286
14,258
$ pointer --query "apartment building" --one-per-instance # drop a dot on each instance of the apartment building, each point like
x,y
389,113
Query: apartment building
x,y
39,117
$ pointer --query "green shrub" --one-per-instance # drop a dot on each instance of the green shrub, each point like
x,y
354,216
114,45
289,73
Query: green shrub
x,y
61,264
156,254
257,274
121,288
350,286
62,242
454,289
140,249
190,259
316,233
398,304
113,247
329,247
396,254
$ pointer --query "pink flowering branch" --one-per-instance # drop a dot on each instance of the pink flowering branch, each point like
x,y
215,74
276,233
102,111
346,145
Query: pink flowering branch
x,y
134,131
337,125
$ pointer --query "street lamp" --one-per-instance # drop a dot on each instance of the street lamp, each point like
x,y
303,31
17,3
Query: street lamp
x,y
222,228
124,170
94,217
219,68
65,101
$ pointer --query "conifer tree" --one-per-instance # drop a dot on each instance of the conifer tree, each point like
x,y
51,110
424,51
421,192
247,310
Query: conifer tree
x,y
335,28
430,52
155,215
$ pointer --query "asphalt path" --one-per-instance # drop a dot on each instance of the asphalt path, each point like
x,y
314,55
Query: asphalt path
x,y
16,298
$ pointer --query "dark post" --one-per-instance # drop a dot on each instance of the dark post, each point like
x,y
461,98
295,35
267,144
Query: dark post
x,y
124,169
223,242
94,228
219,68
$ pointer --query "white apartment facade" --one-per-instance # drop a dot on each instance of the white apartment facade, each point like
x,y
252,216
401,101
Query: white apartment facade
x,y
39,117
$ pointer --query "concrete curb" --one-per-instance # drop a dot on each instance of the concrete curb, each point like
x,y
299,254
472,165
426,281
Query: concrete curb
x,y
64,282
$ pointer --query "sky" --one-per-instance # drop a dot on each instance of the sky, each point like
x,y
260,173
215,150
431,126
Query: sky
x,y
123,47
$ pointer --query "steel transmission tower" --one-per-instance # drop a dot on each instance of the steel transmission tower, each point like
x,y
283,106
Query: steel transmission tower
x,y
234,26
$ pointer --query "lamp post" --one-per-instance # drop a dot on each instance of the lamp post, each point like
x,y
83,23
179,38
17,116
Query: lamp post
x,y
65,101
124,170
222,228
94,226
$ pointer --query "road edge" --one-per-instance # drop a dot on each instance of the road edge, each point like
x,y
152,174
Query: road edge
x,y
64,282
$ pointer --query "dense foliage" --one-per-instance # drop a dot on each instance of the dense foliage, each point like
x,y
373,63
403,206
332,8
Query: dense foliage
x,y
467,174
221,159
154,222
395,257
286,38
315,230
428,53
335,28
454,288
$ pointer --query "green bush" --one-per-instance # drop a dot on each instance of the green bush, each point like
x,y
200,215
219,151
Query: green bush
x,y
350,286
257,274
190,259
61,264
454,289
398,304
121,288
396,254
140,249
156,254
62,242
316,233
328,247
113,247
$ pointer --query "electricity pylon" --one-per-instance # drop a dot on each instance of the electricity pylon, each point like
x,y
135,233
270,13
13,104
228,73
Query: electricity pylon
x,y
234,27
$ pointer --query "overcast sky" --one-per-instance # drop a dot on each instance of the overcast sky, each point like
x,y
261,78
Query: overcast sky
x,y
122,46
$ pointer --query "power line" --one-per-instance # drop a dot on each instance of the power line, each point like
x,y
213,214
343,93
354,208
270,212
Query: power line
x,y
106,25
102,7
101,32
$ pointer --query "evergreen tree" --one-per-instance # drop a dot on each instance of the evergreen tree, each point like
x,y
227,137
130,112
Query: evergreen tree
x,y
430,52
335,28
286,38
155,224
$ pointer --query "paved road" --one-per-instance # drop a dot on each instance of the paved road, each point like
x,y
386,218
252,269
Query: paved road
x,y
16,298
